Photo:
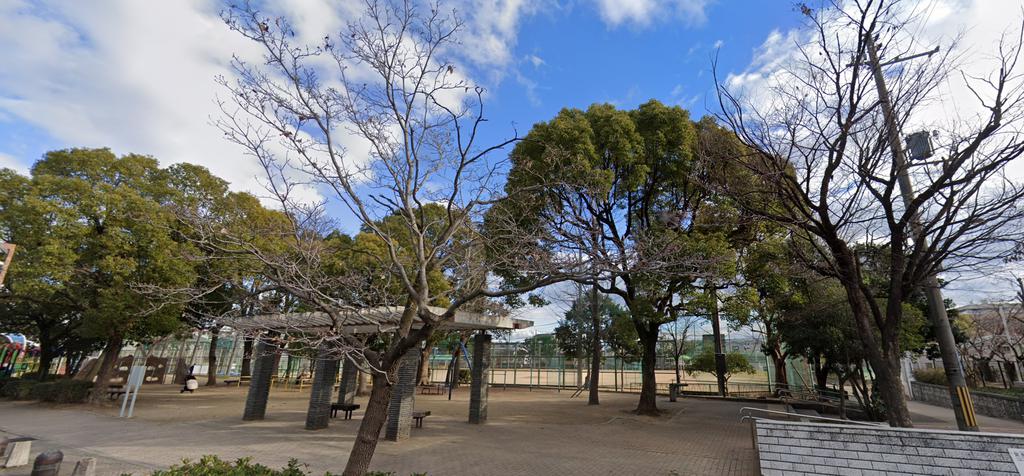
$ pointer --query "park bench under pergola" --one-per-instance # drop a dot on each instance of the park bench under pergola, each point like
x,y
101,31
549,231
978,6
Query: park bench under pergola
x,y
376,320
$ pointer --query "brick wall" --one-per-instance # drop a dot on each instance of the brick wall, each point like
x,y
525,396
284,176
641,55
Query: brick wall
x,y
818,448
984,403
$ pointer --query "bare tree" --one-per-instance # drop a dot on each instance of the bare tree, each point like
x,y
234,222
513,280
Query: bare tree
x,y
678,333
388,84
819,160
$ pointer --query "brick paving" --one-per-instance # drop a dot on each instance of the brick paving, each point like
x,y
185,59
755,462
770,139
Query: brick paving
x,y
527,433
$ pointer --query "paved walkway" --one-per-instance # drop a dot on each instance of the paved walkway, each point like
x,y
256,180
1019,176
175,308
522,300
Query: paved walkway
x,y
936,417
539,432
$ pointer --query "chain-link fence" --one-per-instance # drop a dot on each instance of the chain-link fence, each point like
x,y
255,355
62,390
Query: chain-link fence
x,y
519,364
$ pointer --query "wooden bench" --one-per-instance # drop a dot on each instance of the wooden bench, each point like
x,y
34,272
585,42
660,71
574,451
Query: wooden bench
x,y
115,391
419,416
237,381
435,389
348,408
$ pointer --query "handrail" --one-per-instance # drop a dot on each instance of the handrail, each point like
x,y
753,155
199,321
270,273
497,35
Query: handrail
x,y
801,415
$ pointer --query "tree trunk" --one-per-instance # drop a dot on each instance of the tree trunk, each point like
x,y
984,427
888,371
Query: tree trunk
x,y
678,376
595,347
373,420
842,396
247,356
423,373
820,373
362,384
781,379
887,380
107,366
211,367
46,353
883,355
648,379
454,366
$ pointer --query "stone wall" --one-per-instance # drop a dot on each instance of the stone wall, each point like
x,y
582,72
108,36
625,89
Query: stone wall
x,y
403,398
992,405
785,447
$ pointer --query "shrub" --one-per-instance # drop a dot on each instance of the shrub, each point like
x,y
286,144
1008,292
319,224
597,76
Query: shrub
x,y
211,465
932,376
61,391
18,389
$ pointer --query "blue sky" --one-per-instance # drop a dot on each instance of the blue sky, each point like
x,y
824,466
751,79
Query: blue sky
x,y
586,60
139,76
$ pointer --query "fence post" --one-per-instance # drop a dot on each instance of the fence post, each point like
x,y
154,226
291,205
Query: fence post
x,y
515,364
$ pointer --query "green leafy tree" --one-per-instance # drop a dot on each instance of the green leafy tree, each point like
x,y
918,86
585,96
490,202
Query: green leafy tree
x,y
92,228
627,191
771,284
704,362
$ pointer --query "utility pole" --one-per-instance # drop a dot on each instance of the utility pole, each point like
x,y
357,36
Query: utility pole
x,y
9,251
595,345
959,394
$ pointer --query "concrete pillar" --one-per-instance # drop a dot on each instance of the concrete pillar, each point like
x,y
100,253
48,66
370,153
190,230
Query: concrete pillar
x,y
481,375
259,387
403,397
324,374
347,387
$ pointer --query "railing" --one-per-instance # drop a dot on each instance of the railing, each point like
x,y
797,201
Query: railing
x,y
745,415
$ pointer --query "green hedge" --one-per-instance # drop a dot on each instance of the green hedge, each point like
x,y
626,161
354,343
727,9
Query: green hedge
x,y
18,389
61,391
932,376
56,391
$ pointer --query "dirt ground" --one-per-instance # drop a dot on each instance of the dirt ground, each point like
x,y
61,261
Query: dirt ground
x,y
528,432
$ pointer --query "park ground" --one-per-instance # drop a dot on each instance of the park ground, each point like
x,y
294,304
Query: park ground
x,y
528,432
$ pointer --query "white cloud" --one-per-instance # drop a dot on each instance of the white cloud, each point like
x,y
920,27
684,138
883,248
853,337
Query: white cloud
x,y
8,162
491,31
535,60
139,76
133,76
642,13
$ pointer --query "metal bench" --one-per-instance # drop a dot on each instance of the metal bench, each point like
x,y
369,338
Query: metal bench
x,y
115,391
419,416
434,389
348,408
673,390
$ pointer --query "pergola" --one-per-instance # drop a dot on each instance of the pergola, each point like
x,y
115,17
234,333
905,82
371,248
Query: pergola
x,y
376,320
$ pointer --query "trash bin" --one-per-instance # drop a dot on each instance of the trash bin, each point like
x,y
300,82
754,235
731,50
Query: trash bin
x,y
48,463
